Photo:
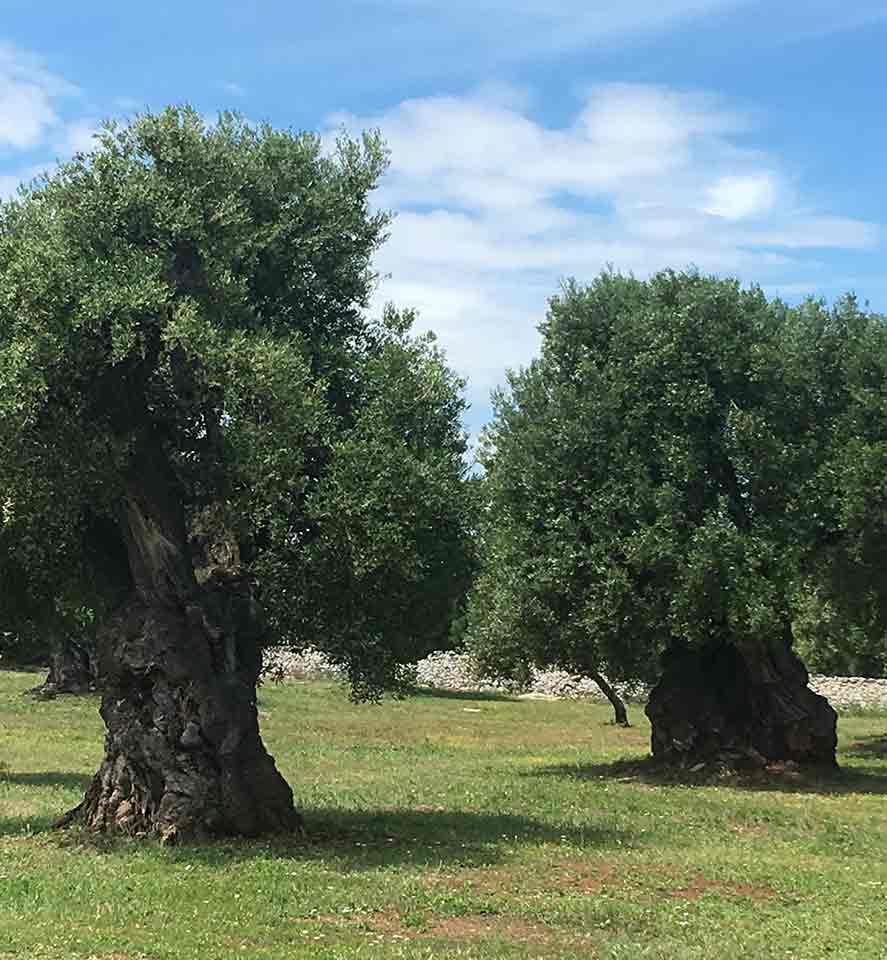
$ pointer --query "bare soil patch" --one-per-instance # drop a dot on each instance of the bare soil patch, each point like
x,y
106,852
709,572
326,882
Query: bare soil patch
x,y
701,885
483,927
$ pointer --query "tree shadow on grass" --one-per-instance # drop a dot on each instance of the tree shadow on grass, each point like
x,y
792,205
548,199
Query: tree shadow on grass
x,y
50,778
362,840
38,823
26,826
649,772
442,693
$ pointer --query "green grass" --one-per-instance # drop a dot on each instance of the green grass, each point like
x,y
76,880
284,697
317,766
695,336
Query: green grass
x,y
452,826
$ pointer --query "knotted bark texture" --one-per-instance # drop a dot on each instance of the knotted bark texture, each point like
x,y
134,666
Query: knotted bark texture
x,y
178,665
743,708
183,755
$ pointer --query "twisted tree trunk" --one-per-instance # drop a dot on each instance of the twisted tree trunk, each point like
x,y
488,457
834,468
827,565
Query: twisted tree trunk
x,y
745,708
178,665
620,714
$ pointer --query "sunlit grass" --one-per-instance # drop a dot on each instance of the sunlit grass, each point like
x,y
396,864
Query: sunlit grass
x,y
448,825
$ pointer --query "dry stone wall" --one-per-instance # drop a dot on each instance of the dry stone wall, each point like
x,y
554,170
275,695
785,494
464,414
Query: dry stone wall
x,y
453,671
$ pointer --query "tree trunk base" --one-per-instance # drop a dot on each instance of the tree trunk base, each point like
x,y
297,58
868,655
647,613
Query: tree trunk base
x,y
196,798
740,709
183,755
70,671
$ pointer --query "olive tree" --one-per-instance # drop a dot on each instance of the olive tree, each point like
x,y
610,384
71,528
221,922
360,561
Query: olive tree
x,y
662,481
221,449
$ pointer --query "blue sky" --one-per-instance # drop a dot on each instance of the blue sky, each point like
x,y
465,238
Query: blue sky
x,y
531,139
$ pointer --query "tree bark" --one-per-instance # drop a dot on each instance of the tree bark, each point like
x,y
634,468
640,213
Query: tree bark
x,y
178,665
619,711
745,708
70,671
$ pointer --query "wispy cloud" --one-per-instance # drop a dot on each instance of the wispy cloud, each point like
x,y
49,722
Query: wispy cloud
x,y
519,30
494,208
532,25
78,136
34,103
28,92
797,21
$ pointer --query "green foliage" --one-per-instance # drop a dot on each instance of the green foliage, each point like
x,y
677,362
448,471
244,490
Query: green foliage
x,y
837,637
207,285
387,555
842,605
670,470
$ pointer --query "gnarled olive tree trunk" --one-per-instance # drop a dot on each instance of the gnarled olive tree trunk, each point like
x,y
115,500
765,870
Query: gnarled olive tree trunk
x,y
178,665
745,708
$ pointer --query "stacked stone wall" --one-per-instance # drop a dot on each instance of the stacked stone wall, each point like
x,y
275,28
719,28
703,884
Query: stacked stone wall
x,y
453,671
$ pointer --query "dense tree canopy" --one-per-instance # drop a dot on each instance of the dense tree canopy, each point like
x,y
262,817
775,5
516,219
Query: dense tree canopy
x,y
680,463
840,603
207,442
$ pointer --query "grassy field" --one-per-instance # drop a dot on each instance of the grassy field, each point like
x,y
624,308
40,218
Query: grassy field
x,y
452,826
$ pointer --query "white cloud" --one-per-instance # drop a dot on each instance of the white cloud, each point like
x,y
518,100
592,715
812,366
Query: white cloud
x,y
494,208
25,114
76,137
28,92
741,197
477,153
33,106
